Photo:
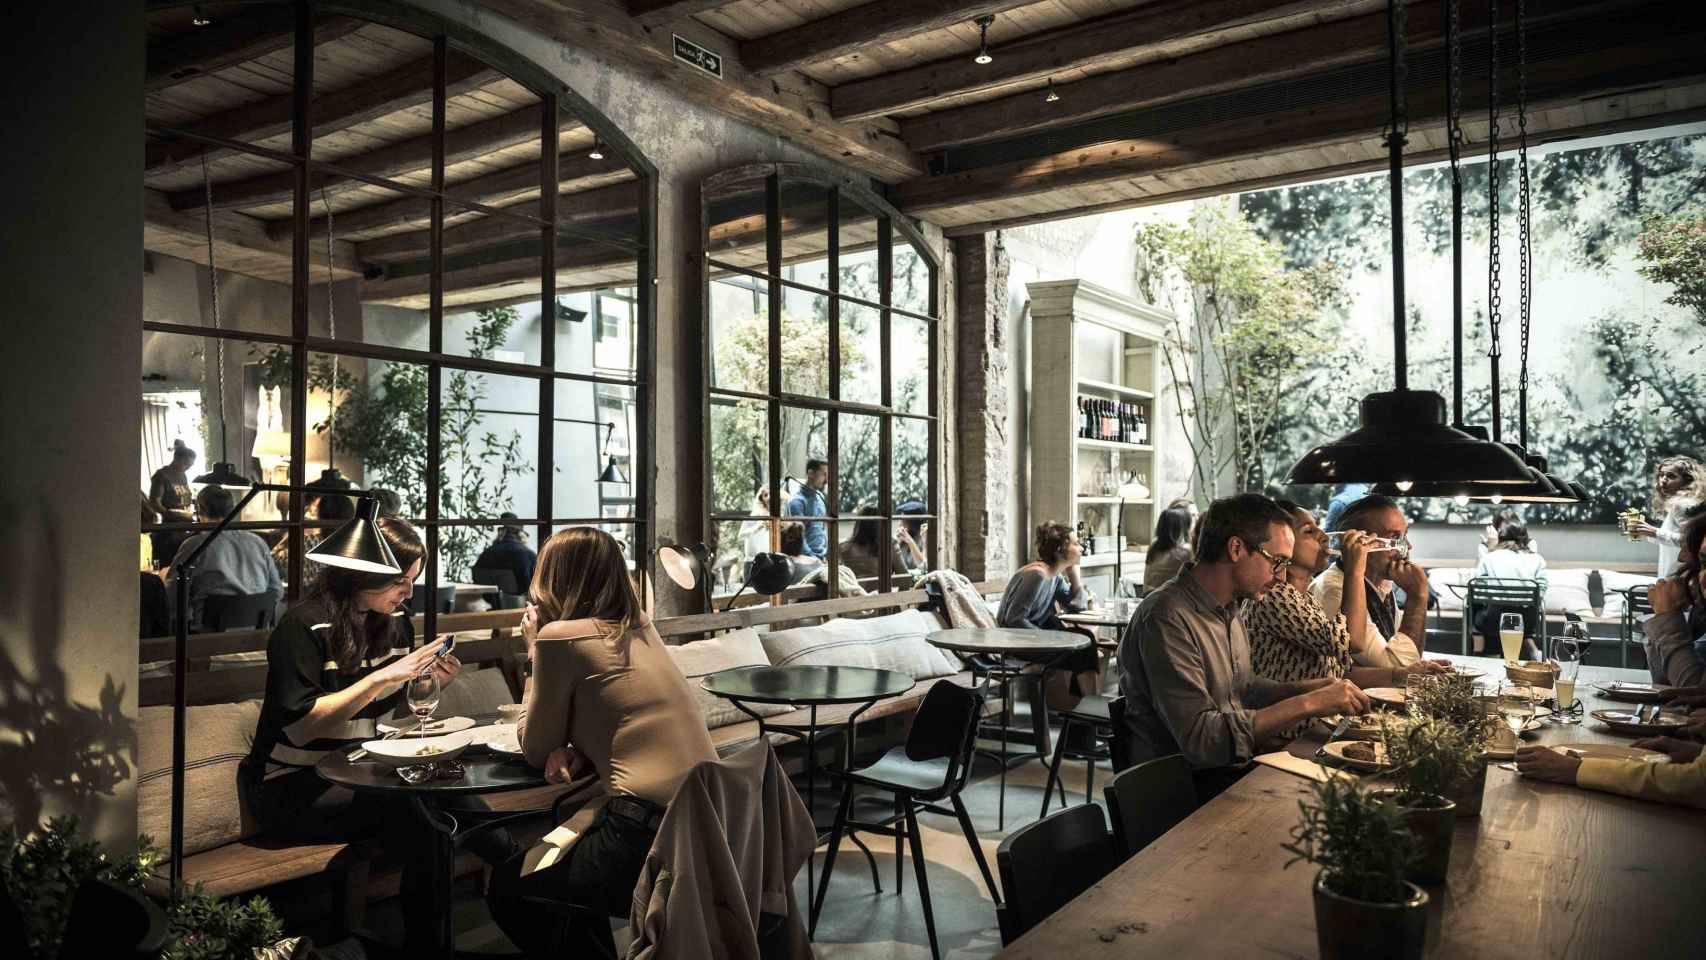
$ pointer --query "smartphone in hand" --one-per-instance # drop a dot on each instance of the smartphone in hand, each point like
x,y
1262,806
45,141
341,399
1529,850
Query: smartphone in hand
x,y
448,645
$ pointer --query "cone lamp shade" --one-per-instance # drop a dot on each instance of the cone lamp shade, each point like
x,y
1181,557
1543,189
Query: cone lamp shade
x,y
612,473
222,475
1404,440
684,565
358,544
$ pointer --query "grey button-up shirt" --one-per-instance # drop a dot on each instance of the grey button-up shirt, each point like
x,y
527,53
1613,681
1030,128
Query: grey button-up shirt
x,y
1186,676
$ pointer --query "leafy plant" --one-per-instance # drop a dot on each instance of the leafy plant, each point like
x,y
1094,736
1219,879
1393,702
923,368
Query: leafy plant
x,y
1431,758
1450,697
1359,841
43,870
1673,250
203,927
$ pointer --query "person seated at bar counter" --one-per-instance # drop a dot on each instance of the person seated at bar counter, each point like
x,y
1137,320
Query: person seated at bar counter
x,y
603,697
237,564
1184,661
1391,642
1292,638
1033,600
1682,781
336,664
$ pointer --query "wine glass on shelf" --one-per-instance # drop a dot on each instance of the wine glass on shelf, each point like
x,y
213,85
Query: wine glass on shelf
x,y
1510,636
1567,652
1516,708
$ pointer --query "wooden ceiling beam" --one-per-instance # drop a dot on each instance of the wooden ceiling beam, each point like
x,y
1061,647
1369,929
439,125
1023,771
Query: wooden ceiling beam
x,y
1248,63
793,106
847,31
1159,29
230,41
409,85
461,144
653,12
184,235
1636,54
593,209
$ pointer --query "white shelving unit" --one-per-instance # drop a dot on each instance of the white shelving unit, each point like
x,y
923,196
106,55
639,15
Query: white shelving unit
x,y
1092,342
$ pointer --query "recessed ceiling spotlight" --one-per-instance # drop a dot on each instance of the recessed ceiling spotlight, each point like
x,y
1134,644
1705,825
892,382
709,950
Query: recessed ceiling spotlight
x,y
199,18
983,23
1052,97
597,151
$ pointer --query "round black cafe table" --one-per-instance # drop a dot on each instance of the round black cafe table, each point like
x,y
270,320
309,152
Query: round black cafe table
x,y
483,772
1046,647
810,687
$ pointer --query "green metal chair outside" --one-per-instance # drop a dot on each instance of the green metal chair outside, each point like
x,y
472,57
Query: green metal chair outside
x,y
1635,606
1506,592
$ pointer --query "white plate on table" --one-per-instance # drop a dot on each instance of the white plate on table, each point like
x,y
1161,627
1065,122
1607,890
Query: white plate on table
x,y
437,728
1630,692
500,738
405,751
1391,696
1610,751
1624,721
1337,748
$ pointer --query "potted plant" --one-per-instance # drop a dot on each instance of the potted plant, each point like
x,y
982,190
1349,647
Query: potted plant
x,y
1363,905
1451,698
1431,761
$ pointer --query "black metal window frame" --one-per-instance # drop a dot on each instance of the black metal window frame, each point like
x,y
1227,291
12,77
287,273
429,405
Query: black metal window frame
x,y
555,98
769,283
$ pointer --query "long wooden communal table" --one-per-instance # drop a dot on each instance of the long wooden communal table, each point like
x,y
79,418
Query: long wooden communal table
x,y
1546,871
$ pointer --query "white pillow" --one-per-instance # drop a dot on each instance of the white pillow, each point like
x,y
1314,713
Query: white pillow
x,y
217,738
701,658
895,642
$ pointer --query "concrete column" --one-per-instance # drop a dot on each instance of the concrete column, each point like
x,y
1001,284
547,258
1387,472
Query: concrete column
x,y
983,327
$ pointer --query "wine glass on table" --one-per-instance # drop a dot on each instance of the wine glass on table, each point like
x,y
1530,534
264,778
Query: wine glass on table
x,y
1510,636
422,693
1516,708
1567,652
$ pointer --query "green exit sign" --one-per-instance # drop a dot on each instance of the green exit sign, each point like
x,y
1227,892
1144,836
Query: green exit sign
x,y
693,54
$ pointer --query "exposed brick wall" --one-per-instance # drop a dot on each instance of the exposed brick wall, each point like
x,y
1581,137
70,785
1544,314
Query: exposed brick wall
x,y
981,400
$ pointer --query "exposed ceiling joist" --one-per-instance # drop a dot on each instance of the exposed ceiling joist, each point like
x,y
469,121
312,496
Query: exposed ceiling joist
x,y
794,107
229,41
1658,56
1215,70
846,31
240,241
405,156
409,85
1160,29
652,12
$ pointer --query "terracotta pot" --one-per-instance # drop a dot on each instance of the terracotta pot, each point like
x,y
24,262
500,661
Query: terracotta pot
x,y
1432,826
1469,794
1347,929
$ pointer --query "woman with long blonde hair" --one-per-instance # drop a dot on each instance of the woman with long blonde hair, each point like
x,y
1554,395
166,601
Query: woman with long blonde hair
x,y
1679,486
604,697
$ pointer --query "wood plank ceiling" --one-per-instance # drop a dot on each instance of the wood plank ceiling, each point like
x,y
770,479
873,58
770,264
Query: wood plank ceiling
x,y
1156,99
372,112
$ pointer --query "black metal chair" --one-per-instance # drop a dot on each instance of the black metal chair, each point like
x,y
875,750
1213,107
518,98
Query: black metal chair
x,y
1506,592
1147,800
247,611
112,921
446,598
1119,742
932,766
1636,607
507,596
1044,865
1088,719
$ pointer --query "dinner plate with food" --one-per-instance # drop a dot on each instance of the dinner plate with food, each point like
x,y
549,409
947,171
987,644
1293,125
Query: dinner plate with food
x,y
436,728
403,751
1645,723
1389,696
1629,692
1365,755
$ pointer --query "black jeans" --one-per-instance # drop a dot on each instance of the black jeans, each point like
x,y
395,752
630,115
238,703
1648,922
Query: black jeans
x,y
562,911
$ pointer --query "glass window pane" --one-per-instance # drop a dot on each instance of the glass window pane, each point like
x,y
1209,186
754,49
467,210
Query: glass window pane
x,y
247,100
909,371
735,543
910,281
858,462
740,455
914,547
911,477
593,462
860,545
858,262
734,224
386,230
861,353
597,323
503,171
805,343
369,419
373,86
805,491
804,208
739,308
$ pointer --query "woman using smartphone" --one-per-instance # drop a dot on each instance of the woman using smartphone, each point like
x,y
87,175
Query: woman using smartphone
x,y
605,698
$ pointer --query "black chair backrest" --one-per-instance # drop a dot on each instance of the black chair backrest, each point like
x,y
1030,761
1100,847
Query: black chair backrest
x,y
248,611
1638,604
945,727
1147,800
1047,863
1515,592
501,577
1119,746
108,920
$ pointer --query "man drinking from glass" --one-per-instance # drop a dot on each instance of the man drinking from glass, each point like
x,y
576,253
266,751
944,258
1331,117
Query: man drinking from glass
x,y
1388,641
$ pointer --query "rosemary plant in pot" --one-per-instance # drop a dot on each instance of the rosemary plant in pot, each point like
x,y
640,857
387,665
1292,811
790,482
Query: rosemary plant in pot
x,y
1431,761
1451,699
1363,905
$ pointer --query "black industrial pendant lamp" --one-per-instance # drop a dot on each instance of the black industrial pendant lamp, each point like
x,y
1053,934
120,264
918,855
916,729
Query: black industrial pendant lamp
x,y
1403,438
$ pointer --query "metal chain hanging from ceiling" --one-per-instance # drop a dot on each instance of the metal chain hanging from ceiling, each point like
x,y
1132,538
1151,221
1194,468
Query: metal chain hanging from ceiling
x,y
213,296
332,333
1493,249
1523,223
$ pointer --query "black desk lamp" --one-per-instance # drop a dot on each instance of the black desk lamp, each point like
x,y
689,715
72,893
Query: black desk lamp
x,y
689,567
357,545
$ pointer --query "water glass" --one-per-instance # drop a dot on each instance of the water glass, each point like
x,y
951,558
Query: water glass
x,y
1516,708
1567,653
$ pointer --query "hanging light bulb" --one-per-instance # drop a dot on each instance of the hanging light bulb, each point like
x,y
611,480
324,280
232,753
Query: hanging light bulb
x,y
1496,499
198,18
597,151
983,56
1461,499
1404,486
1052,97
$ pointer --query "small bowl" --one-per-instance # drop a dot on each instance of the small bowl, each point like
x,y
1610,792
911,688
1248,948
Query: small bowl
x,y
1536,673
403,752
510,712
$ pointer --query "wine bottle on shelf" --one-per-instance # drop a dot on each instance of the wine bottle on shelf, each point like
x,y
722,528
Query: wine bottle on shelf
x,y
1083,417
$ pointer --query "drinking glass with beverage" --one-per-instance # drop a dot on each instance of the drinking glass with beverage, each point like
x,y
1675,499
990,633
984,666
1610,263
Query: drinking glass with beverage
x,y
422,693
1567,653
1511,636
1516,708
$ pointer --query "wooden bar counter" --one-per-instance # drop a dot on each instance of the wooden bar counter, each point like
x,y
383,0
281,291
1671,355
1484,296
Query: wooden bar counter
x,y
1545,871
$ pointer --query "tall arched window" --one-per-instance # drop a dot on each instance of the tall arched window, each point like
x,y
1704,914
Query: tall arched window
x,y
820,412
382,250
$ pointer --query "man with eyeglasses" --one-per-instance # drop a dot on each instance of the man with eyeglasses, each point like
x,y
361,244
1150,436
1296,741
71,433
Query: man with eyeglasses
x,y
1184,661
1389,641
